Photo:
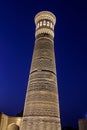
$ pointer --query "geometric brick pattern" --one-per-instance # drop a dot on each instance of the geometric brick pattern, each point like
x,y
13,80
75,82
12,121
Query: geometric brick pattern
x,y
41,110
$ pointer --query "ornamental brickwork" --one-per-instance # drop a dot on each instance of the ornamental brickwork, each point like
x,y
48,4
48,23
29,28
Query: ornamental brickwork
x,y
41,110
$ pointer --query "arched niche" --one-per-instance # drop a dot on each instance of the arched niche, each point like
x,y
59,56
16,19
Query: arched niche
x,y
13,126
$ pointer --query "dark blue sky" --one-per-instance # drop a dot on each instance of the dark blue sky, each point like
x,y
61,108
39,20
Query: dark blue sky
x,y
17,30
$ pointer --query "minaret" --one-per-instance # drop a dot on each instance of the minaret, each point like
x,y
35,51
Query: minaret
x,y
41,110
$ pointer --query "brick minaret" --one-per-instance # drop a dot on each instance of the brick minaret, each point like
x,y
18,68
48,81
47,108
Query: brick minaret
x,y
41,110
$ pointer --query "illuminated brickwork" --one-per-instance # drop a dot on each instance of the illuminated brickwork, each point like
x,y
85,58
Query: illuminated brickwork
x,y
41,111
9,123
82,123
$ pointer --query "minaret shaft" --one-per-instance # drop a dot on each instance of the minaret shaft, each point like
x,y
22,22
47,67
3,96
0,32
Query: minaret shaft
x,y
41,109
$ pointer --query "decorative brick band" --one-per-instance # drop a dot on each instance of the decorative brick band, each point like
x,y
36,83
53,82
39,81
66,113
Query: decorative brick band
x,y
45,15
44,30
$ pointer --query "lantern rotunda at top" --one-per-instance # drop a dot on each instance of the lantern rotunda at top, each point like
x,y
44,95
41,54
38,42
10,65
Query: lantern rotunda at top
x,y
45,22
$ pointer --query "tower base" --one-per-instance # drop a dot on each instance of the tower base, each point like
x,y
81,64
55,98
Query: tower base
x,y
40,123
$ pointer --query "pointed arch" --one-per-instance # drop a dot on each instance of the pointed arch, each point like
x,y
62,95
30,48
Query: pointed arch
x,y
13,126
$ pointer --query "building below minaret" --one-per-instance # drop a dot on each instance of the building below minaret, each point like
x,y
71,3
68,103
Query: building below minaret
x,y
82,123
41,110
9,122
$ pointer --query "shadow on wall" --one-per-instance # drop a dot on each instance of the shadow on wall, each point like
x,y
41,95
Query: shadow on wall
x,y
68,128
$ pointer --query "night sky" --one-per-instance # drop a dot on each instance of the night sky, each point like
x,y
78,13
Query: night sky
x,y
17,30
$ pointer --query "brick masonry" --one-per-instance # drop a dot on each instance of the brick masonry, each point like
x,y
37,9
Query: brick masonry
x,y
41,110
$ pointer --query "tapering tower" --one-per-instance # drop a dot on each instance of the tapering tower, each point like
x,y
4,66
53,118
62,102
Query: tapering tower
x,y
41,110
